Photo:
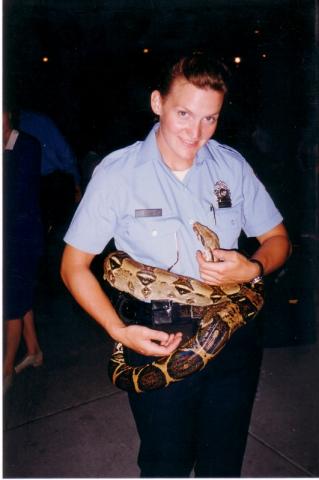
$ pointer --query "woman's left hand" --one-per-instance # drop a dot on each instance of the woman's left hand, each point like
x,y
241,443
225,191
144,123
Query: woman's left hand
x,y
229,267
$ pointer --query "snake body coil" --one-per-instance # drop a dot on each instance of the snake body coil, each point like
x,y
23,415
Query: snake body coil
x,y
225,309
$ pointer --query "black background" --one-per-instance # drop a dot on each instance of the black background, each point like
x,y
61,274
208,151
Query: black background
x,y
97,81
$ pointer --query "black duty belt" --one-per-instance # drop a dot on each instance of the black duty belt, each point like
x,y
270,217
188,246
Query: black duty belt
x,y
155,313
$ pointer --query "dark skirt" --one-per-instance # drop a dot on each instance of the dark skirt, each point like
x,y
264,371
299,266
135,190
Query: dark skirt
x,y
20,270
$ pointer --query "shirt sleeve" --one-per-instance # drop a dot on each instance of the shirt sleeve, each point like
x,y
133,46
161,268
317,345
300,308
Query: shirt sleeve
x,y
95,219
259,212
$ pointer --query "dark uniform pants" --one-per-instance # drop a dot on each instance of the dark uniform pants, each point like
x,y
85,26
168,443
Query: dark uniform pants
x,y
202,421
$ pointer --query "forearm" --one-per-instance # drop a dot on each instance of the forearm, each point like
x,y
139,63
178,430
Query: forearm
x,y
77,276
88,293
273,252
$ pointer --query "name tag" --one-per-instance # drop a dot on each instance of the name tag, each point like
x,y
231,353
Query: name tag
x,y
148,212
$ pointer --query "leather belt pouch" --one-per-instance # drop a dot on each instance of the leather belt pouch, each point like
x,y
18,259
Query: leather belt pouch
x,y
171,318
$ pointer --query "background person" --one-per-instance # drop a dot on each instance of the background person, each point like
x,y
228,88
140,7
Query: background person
x,y
60,177
147,196
22,246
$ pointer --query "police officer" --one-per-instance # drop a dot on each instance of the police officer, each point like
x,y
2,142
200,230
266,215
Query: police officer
x,y
147,197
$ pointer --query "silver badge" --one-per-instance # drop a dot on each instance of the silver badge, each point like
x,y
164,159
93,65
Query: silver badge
x,y
222,194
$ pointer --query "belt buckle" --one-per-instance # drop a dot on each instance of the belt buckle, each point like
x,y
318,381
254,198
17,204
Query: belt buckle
x,y
194,315
161,312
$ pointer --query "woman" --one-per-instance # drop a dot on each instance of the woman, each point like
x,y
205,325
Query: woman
x,y
22,230
147,197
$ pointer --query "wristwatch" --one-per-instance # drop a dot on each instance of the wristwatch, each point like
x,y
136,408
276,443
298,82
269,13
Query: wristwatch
x,y
261,273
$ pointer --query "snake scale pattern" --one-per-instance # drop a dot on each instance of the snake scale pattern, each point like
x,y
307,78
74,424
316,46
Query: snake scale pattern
x,y
225,309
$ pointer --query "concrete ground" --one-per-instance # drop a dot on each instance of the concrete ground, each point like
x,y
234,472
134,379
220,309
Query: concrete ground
x,y
66,420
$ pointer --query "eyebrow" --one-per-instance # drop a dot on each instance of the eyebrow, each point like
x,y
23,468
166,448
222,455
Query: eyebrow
x,y
190,111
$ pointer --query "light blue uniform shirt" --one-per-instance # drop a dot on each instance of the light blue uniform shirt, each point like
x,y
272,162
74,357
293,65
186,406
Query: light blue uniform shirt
x,y
135,181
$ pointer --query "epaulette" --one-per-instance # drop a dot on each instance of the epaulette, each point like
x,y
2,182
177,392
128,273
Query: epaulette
x,y
227,147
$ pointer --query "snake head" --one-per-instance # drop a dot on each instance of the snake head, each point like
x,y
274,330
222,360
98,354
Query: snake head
x,y
208,239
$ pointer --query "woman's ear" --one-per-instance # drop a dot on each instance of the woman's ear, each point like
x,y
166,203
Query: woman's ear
x,y
156,102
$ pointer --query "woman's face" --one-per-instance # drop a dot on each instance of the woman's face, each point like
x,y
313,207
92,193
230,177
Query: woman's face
x,y
188,119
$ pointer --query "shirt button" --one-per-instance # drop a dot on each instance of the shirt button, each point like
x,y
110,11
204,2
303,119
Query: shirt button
x,y
154,233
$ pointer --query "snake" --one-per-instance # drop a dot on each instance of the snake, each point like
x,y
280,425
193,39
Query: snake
x,y
224,308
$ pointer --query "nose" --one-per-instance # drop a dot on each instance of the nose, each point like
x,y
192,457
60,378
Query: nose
x,y
194,131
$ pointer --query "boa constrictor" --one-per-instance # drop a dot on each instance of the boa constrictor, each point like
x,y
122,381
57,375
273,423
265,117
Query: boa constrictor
x,y
226,308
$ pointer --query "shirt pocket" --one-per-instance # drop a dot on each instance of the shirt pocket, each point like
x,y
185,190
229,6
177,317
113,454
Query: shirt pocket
x,y
154,240
228,226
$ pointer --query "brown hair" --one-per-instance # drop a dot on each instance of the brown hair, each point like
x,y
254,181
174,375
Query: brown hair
x,y
200,69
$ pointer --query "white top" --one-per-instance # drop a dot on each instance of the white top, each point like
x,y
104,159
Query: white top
x,y
180,174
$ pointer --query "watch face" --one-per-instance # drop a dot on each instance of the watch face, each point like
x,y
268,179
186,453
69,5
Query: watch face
x,y
256,280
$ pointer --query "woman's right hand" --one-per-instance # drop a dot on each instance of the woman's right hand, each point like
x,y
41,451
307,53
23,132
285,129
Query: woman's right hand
x,y
147,341
83,285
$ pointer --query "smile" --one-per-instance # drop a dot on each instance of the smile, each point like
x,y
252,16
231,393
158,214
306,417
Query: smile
x,y
190,143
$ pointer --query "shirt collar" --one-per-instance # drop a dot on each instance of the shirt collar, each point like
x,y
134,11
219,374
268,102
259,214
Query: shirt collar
x,y
150,149
202,155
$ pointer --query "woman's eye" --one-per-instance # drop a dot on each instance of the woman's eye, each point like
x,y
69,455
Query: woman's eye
x,y
210,119
182,113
